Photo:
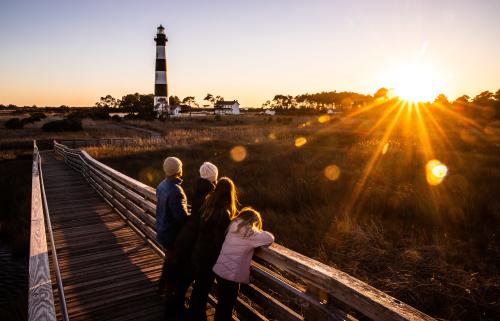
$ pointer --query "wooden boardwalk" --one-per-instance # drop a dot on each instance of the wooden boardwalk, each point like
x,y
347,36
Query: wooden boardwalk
x,y
109,272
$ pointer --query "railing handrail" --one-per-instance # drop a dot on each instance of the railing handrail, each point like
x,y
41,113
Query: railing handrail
x,y
60,287
40,296
326,288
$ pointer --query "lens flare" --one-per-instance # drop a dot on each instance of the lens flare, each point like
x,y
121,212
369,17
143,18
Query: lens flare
x,y
435,172
301,141
332,172
238,153
440,171
324,119
386,147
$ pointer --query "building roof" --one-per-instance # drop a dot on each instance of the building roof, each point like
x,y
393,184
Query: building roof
x,y
225,103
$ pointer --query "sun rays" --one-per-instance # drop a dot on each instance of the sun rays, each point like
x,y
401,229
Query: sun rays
x,y
409,123
404,138
414,81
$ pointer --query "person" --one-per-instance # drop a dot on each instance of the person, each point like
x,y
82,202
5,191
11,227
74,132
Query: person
x,y
217,211
186,239
171,214
233,265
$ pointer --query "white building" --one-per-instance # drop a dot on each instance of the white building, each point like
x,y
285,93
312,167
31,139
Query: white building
x,y
231,107
270,112
175,111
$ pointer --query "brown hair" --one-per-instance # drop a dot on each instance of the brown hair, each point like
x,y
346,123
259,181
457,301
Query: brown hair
x,y
223,197
249,219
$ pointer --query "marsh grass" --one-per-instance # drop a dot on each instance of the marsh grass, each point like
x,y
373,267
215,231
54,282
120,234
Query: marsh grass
x,y
91,129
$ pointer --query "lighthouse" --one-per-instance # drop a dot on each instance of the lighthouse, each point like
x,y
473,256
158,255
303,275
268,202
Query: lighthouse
x,y
161,88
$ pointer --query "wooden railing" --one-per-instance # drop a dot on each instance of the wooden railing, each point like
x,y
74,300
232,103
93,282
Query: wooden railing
x,y
40,296
285,285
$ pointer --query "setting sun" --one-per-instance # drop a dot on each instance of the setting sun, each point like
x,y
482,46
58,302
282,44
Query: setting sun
x,y
414,82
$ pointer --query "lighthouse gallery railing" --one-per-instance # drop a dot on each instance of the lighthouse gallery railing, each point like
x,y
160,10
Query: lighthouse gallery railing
x,y
285,285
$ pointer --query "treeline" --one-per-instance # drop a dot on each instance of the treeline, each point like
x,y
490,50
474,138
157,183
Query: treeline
x,y
318,101
35,108
140,102
486,103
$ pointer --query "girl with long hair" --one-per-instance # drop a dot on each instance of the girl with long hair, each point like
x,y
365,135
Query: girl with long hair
x,y
233,265
217,212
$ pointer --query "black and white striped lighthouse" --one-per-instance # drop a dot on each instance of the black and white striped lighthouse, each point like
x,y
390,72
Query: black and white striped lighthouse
x,y
161,86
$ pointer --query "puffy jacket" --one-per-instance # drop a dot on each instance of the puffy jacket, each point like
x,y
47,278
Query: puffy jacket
x,y
171,211
236,254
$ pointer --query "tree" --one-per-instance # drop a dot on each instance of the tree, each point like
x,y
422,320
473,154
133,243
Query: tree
x,y
382,93
138,103
267,104
497,104
108,102
190,101
462,100
283,101
219,98
278,101
442,100
497,95
484,99
130,102
210,98
174,101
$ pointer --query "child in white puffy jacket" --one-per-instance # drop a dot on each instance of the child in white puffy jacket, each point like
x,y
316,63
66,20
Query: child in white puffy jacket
x,y
233,265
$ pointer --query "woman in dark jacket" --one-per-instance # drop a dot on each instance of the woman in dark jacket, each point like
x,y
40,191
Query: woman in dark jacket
x,y
171,214
217,211
183,273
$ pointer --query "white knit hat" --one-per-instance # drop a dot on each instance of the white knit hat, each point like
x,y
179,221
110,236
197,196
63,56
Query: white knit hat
x,y
172,166
209,171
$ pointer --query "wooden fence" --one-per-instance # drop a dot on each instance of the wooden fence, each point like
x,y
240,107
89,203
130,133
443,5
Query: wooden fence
x,y
285,285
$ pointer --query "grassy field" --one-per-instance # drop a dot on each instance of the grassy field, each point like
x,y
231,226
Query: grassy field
x,y
353,192
20,141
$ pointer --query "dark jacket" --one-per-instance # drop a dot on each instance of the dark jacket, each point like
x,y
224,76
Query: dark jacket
x,y
211,235
186,239
171,211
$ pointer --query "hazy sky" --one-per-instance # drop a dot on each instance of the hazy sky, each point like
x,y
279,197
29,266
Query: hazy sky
x,y
72,52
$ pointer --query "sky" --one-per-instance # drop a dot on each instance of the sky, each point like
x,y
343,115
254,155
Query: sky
x,y
73,52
